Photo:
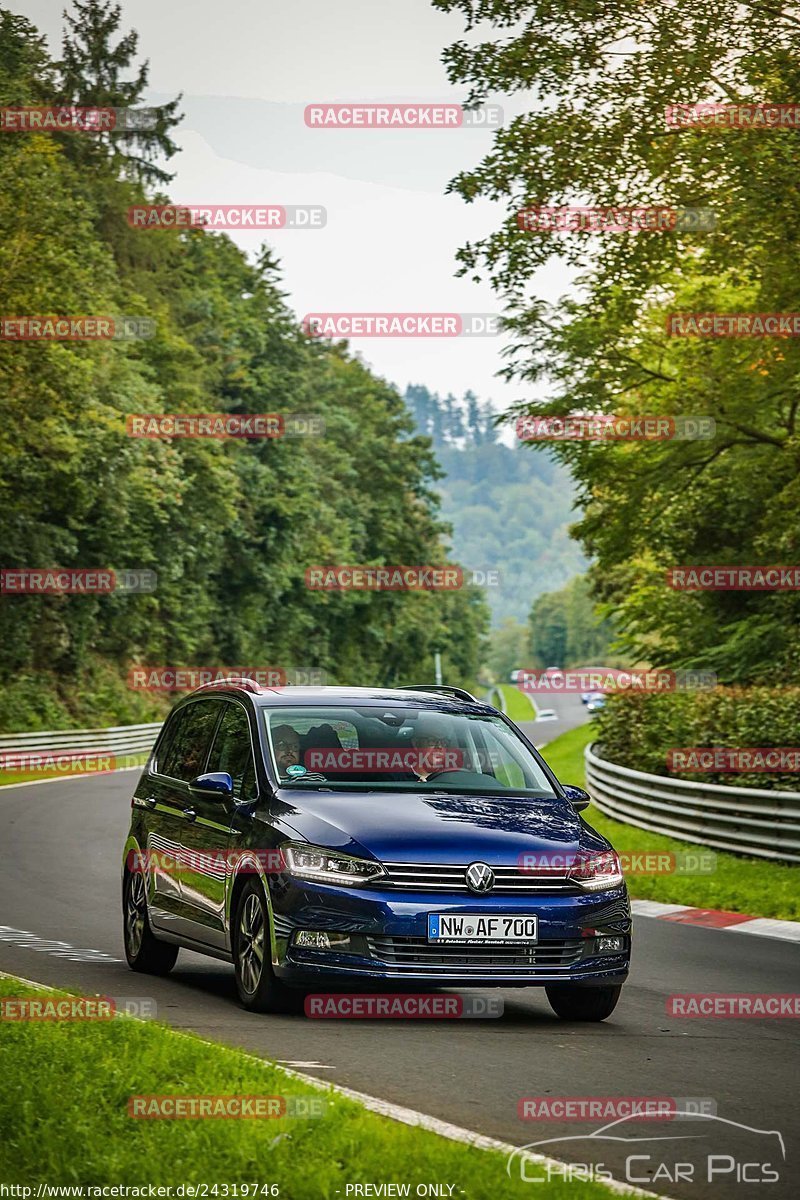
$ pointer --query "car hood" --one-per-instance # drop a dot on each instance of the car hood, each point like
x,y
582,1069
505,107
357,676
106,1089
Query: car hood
x,y
433,828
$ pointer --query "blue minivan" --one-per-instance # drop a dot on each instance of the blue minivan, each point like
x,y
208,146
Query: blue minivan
x,y
360,838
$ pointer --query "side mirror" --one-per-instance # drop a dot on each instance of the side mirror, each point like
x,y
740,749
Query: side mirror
x,y
215,783
578,798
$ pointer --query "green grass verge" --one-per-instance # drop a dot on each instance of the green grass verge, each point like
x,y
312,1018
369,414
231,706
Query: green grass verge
x,y
748,885
11,777
519,706
64,1116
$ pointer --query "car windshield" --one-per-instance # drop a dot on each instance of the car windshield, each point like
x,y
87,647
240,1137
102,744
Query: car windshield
x,y
391,750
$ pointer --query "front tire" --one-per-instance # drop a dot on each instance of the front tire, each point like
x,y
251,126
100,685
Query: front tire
x,y
259,990
573,1003
143,950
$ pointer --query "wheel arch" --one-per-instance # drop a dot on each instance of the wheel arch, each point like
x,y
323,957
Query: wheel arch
x,y
249,867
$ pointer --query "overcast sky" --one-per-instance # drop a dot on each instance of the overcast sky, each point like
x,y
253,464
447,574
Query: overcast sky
x,y
247,69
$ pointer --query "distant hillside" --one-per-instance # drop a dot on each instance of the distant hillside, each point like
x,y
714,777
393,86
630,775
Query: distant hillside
x,y
509,506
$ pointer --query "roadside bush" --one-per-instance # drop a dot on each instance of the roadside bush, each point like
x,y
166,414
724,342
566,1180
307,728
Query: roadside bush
x,y
638,730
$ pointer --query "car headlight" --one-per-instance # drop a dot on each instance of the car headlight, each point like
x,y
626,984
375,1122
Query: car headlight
x,y
315,862
594,872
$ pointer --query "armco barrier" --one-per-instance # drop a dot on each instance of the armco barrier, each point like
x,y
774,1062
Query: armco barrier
x,y
745,820
118,740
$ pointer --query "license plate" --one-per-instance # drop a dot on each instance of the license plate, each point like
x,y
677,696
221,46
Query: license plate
x,y
481,930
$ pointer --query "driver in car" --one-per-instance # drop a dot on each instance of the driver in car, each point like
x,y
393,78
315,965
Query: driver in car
x,y
433,741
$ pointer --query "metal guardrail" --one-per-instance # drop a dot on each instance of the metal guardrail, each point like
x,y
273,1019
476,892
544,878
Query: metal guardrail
x,y
496,698
753,821
118,740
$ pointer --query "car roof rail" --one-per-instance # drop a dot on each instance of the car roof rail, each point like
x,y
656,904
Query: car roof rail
x,y
234,681
445,689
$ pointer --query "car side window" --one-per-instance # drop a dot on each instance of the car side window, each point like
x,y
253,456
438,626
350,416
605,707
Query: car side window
x,y
186,745
232,752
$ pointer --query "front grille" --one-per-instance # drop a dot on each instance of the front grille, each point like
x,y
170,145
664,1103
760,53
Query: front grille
x,y
439,877
411,953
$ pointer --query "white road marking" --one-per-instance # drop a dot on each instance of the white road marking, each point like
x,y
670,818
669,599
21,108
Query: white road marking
x,y
31,941
290,1062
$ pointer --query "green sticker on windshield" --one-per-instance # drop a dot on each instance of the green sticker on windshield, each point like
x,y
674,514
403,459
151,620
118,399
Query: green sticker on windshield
x,y
297,769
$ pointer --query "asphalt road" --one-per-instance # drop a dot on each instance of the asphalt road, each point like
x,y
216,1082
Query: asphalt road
x,y
569,712
59,880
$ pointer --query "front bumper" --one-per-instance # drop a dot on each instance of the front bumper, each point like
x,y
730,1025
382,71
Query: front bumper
x,y
388,938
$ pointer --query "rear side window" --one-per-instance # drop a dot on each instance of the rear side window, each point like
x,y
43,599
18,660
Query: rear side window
x,y
231,752
187,739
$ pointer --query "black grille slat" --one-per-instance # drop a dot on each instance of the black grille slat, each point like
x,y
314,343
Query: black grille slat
x,y
417,952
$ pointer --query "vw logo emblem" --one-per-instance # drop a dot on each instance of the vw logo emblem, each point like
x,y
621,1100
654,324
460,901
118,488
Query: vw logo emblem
x,y
479,877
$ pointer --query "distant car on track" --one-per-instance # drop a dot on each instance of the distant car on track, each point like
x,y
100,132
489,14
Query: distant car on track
x,y
371,839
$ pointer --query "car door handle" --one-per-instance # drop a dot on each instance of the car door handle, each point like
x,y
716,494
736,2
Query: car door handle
x,y
190,814
151,801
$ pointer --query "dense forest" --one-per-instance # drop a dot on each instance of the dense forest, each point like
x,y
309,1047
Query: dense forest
x,y
228,527
509,505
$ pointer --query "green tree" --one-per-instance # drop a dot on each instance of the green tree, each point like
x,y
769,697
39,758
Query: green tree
x,y
93,74
601,77
229,527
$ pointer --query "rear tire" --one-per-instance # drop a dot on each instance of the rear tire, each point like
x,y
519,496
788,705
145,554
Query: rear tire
x,y
143,950
258,988
573,1003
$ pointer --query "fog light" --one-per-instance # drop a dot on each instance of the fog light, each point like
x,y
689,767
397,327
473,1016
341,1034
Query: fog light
x,y
610,945
319,939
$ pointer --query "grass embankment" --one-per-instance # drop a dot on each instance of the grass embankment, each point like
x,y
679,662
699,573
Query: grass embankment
x,y
518,705
748,885
64,1116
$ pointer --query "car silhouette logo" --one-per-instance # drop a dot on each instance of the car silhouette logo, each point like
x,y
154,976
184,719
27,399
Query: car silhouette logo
x,y
534,1155
479,877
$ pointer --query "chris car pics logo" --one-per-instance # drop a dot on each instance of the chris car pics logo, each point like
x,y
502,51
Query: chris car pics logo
x,y
711,1150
